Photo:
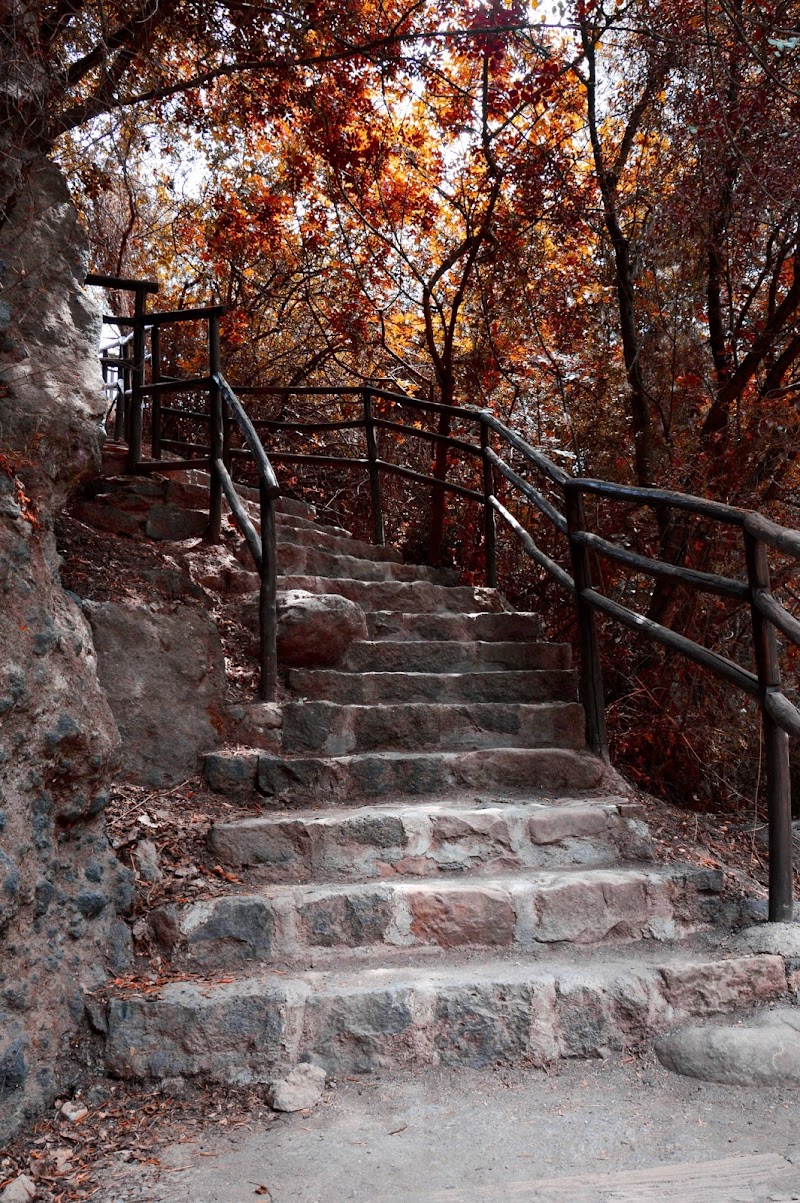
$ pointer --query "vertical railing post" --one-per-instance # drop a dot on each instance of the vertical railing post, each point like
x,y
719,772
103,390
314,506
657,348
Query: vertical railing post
x,y
217,424
776,742
137,380
440,463
489,533
374,469
155,377
267,598
122,423
590,667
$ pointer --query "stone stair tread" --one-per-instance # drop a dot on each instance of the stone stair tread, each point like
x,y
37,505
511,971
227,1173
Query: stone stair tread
x,y
504,879
331,778
430,839
412,805
335,539
296,924
296,559
471,1010
295,522
472,967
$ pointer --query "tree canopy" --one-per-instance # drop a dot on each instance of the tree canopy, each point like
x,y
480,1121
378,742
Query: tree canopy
x,y
585,218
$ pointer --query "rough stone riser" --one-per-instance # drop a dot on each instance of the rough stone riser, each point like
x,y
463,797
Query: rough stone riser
x,y
365,689
425,842
394,625
295,560
489,1015
328,781
328,729
453,657
513,912
333,541
411,597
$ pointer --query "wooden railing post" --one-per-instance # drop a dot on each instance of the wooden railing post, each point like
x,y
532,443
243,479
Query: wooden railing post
x,y
155,376
438,494
374,469
776,742
590,666
267,598
122,386
137,379
489,533
217,424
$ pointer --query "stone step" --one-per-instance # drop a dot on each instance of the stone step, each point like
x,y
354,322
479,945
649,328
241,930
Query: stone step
x,y
334,540
502,627
308,526
327,781
306,924
283,504
431,839
333,729
297,560
477,1013
452,656
364,689
411,597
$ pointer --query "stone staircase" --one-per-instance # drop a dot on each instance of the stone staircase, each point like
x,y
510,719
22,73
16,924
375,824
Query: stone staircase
x,y
440,872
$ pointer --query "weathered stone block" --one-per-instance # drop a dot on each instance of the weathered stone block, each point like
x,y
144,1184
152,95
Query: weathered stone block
x,y
163,673
359,1031
229,929
466,916
285,848
315,630
350,920
171,524
231,773
478,1026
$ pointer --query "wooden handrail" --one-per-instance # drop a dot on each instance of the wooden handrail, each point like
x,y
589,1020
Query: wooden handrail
x,y
780,717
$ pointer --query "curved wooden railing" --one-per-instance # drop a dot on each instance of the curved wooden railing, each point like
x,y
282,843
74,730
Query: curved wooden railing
x,y
224,409
780,718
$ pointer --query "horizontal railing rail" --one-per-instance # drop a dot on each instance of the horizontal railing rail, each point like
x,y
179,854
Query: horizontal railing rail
x,y
377,419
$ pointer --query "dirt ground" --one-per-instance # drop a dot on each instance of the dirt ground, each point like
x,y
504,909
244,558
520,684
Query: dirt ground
x,y
616,1131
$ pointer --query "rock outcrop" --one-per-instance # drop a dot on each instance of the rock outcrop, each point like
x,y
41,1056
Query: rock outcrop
x,y
61,888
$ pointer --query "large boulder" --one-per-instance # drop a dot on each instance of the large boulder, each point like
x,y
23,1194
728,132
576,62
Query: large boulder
x,y
163,672
316,629
61,884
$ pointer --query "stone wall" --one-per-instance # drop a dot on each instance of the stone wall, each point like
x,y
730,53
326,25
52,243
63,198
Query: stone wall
x,y
61,888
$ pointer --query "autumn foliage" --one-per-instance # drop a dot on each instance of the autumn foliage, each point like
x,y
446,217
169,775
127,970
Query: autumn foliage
x,y
588,224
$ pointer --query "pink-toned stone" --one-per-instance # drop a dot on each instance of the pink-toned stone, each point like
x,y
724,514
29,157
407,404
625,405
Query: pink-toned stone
x,y
453,918
552,825
717,986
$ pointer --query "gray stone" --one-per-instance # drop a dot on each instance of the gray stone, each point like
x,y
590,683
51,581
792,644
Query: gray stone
x,y
146,857
9,889
229,929
21,1190
164,676
299,1090
91,903
315,630
169,523
780,938
13,1070
765,1052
